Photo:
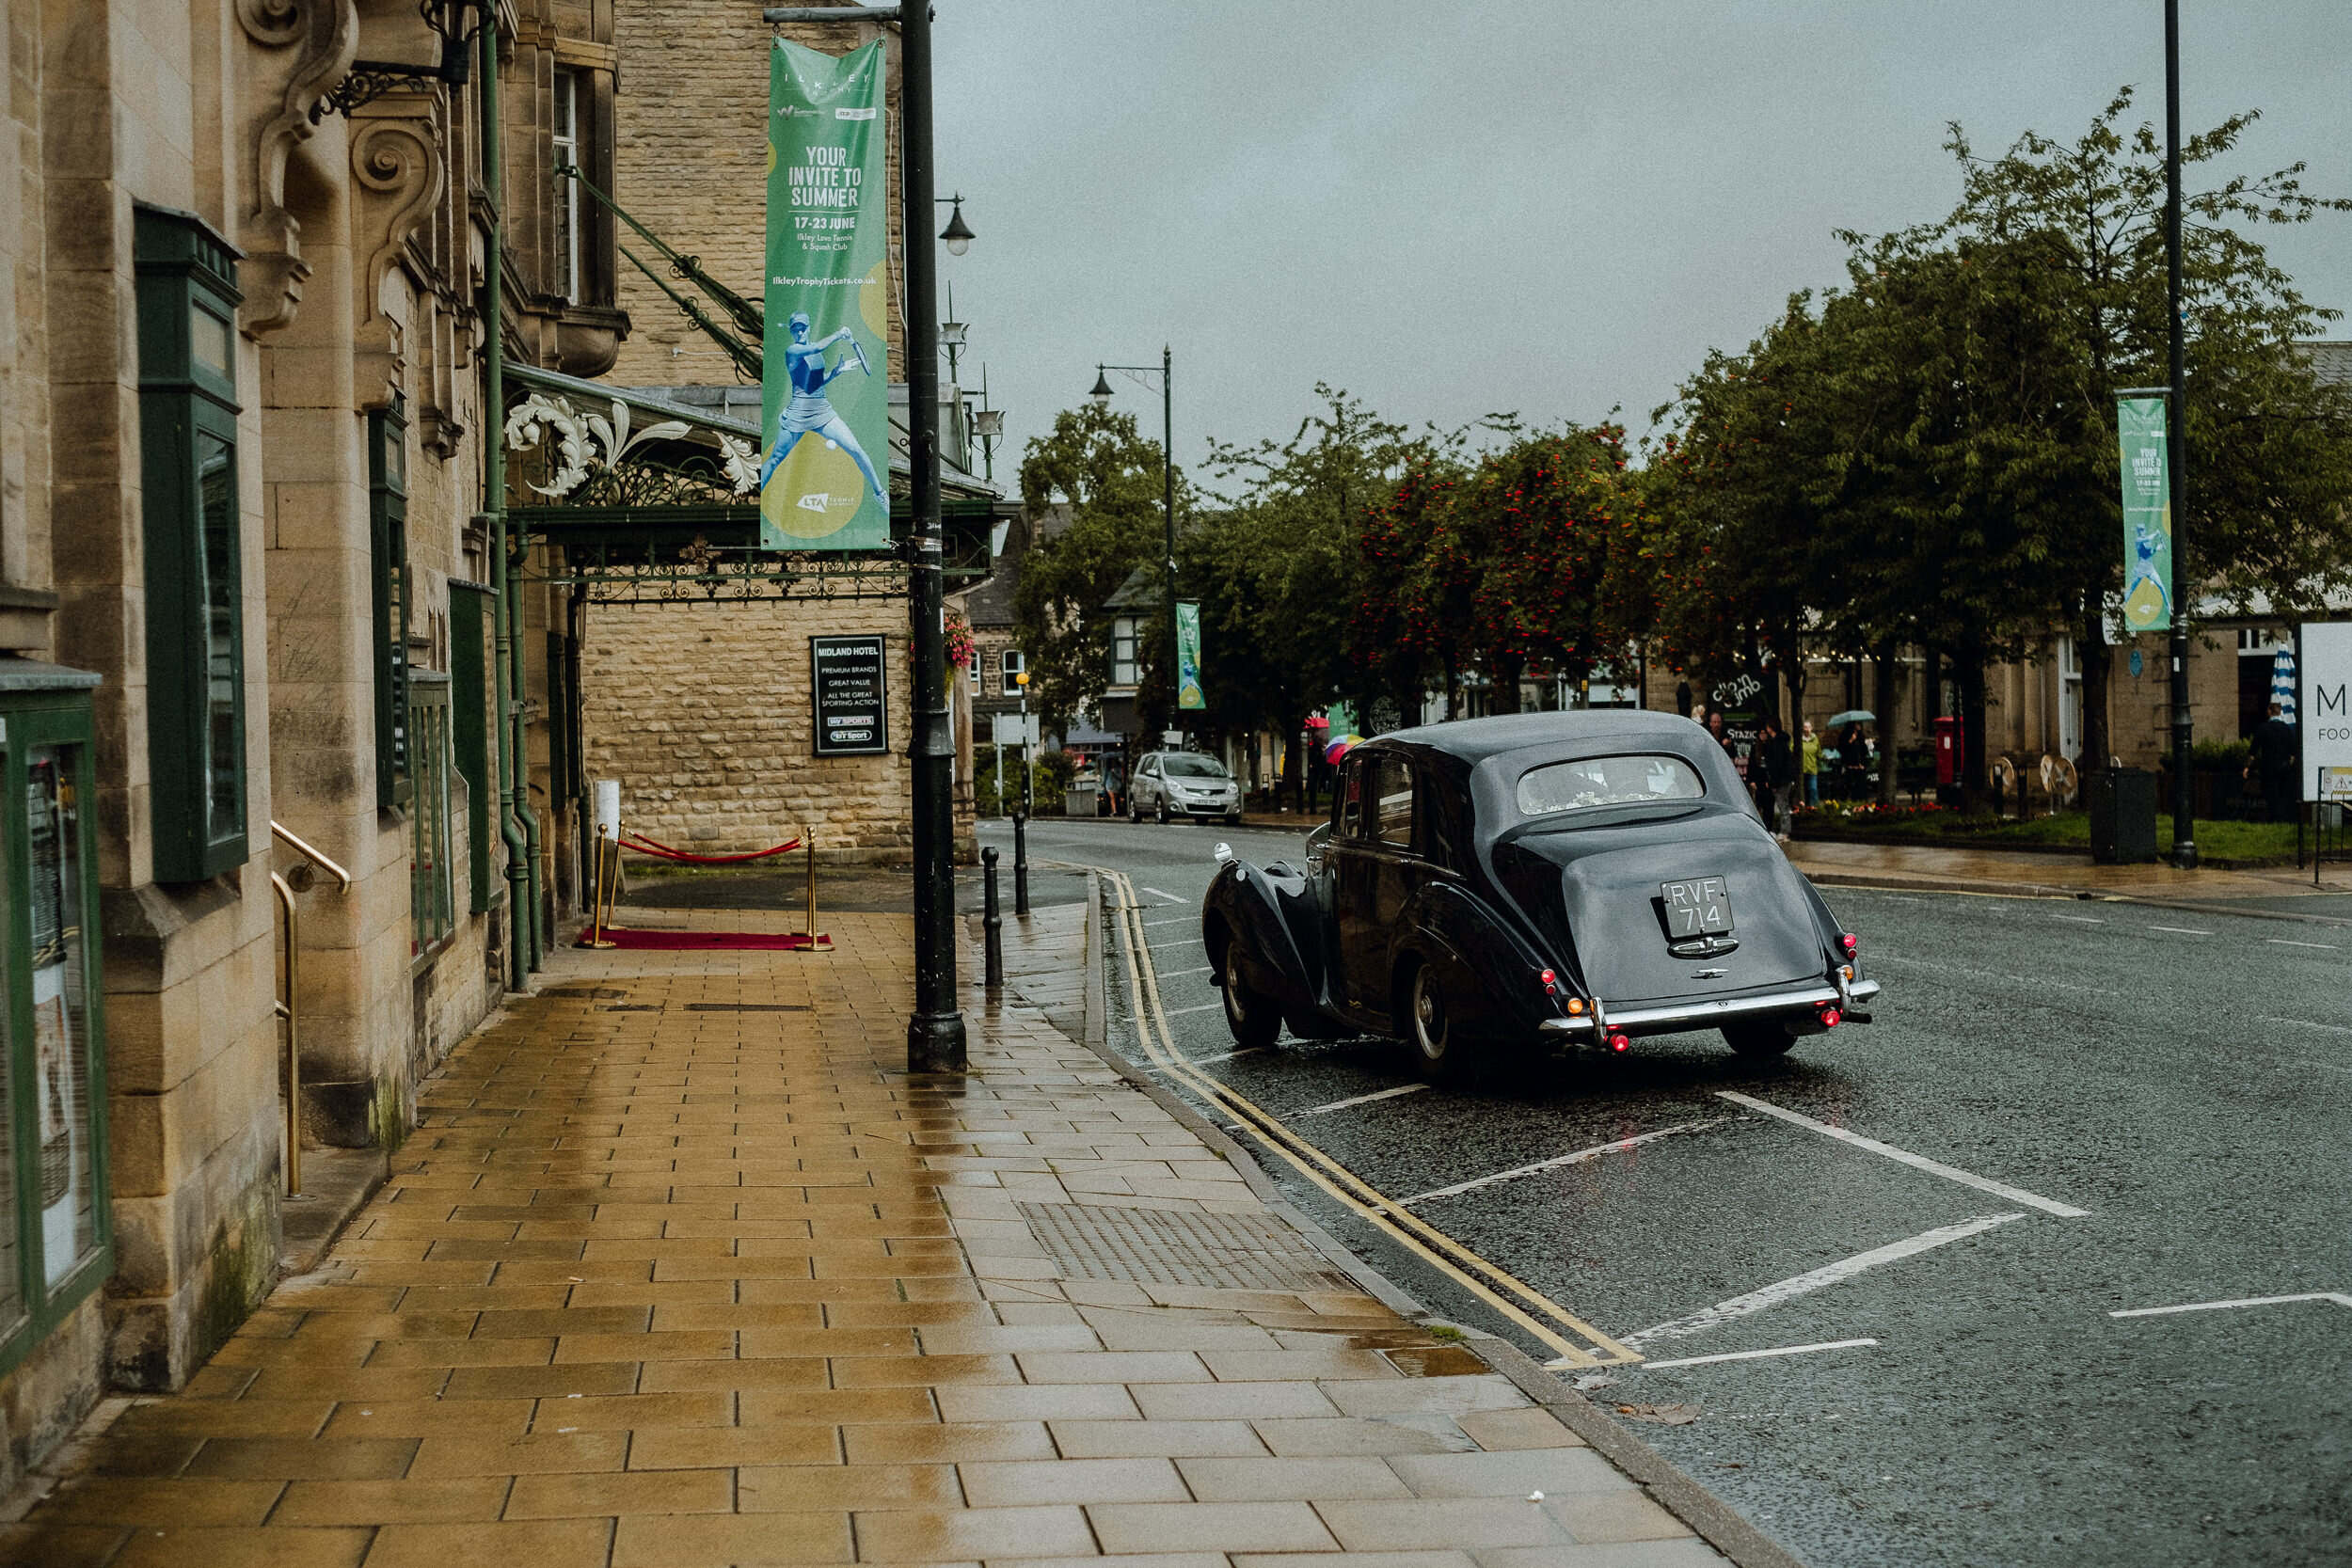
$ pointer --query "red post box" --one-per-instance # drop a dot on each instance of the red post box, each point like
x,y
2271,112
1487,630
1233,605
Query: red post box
x,y
1951,750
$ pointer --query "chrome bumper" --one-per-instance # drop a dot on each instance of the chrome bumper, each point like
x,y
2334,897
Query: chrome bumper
x,y
1706,1015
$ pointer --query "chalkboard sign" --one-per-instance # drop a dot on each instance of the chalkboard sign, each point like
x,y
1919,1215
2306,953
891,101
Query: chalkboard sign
x,y
847,685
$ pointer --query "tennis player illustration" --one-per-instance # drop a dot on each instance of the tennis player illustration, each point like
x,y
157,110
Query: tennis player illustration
x,y
809,412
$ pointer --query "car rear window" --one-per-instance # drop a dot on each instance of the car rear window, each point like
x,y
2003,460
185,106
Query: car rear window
x,y
1590,781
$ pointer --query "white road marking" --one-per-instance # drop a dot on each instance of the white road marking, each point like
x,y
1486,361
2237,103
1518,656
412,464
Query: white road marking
x,y
1203,1061
1917,1161
2323,946
2181,930
2078,919
1362,1099
2039,983
1178,921
2303,1022
1846,1268
1172,973
2337,1296
1178,1012
1576,1158
1179,941
1169,896
1758,1355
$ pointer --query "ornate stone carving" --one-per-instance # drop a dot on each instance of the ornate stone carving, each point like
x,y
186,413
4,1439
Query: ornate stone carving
x,y
325,35
398,163
401,161
272,24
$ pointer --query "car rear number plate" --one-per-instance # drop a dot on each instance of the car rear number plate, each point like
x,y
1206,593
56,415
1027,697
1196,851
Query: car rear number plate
x,y
1695,907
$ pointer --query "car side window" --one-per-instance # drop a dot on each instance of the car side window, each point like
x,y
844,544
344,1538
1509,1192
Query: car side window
x,y
1394,821
1352,799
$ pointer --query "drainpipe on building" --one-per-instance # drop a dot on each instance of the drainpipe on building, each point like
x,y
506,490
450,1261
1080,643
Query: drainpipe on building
x,y
494,485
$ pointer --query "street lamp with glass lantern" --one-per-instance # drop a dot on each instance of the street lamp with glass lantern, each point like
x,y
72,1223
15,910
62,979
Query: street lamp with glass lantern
x,y
1101,394
957,234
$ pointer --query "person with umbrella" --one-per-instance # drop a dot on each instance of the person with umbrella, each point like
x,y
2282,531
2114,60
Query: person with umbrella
x,y
1853,751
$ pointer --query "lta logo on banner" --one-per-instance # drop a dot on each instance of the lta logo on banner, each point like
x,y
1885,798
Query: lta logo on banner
x,y
824,406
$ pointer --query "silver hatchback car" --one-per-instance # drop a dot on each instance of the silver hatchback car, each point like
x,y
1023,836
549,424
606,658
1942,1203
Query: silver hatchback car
x,y
1183,784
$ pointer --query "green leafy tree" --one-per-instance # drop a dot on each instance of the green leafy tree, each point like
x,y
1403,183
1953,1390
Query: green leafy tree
x,y
1276,573
1931,456
1098,466
2061,300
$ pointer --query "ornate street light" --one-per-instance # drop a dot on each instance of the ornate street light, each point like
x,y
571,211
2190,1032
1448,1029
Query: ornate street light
x,y
1102,392
958,233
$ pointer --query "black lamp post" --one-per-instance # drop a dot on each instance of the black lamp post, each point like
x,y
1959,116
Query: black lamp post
x,y
935,1031
1101,394
2176,454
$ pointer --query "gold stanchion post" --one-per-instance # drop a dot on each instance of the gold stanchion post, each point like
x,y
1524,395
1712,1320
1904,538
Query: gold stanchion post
x,y
816,943
595,894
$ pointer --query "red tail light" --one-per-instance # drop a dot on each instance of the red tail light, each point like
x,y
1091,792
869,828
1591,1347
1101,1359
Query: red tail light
x,y
1620,1040
1549,979
1849,942
1830,1017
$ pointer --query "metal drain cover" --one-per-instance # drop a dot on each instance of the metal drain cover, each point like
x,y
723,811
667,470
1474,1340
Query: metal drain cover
x,y
1167,1246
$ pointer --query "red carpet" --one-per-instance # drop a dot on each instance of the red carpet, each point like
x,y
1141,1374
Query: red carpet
x,y
763,942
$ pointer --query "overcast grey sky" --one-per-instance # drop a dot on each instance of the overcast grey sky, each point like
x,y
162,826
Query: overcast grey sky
x,y
1549,206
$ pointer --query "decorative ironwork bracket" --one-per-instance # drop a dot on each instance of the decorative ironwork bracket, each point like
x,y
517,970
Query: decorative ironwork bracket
x,y
369,80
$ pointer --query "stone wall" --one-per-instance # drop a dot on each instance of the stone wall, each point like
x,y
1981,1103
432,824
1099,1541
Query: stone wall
x,y
701,713
690,160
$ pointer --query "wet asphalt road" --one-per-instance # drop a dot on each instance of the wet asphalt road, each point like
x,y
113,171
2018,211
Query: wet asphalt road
x,y
2186,1078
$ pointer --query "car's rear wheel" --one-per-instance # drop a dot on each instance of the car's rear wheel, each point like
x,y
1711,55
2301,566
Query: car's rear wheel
x,y
1134,807
1249,1013
1159,810
1440,1055
1758,1039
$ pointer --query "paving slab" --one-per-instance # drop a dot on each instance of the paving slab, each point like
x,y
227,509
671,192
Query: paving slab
x,y
683,1269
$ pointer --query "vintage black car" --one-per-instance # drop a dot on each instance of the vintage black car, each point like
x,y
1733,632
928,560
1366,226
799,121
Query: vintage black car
x,y
1578,879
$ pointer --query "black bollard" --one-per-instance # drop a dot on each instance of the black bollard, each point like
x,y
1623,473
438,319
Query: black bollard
x,y
1021,863
992,923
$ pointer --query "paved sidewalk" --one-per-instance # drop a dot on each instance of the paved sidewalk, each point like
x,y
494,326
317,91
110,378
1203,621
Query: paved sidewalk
x,y
1933,869
683,1270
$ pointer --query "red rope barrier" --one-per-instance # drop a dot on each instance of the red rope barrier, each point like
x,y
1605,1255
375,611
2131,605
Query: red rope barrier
x,y
647,846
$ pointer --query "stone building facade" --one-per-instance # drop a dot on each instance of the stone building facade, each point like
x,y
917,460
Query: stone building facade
x,y
246,585
702,712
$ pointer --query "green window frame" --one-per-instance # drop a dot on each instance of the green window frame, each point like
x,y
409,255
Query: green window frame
x,y
194,542
471,697
56,1249
431,895
387,546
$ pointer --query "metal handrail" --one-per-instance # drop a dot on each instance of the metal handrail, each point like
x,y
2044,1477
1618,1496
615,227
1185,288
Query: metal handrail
x,y
289,1007
313,856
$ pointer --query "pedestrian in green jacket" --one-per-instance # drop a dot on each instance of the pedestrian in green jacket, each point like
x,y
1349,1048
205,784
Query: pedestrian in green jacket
x,y
1809,750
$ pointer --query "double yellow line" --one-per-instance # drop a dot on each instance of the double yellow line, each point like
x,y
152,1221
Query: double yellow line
x,y
1578,1342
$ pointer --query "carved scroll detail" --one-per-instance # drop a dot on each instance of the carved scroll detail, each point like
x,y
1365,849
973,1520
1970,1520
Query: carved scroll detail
x,y
325,35
272,24
399,159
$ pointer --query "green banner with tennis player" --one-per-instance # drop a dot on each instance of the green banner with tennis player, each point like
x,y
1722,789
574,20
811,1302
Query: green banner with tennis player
x,y
2147,515
824,406
1188,692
